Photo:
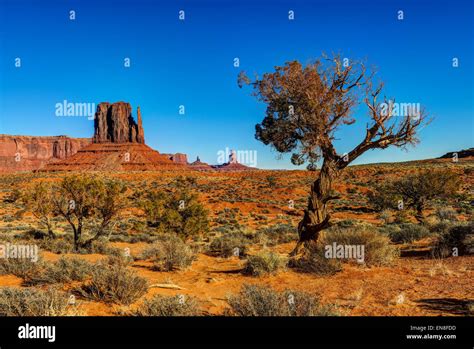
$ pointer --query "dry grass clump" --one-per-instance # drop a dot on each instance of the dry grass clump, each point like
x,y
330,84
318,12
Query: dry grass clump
x,y
169,254
264,263
63,271
114,283
161,305
34,302
255,300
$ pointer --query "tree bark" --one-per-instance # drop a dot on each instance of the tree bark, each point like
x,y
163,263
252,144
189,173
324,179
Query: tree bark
x,y
316,216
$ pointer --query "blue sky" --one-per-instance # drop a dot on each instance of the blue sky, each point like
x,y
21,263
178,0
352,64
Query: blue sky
x,y
190,63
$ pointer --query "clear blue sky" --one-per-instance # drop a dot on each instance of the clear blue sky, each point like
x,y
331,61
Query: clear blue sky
x,y
190,63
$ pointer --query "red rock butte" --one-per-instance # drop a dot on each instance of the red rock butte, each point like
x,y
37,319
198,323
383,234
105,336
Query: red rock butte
x,y
118,145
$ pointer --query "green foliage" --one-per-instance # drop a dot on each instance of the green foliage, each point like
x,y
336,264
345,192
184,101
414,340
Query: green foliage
x,y
416,190
178,211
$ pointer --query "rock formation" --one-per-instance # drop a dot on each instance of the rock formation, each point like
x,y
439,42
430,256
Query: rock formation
x,y
465,153
27,153
118,145
198,165
114,123
179,158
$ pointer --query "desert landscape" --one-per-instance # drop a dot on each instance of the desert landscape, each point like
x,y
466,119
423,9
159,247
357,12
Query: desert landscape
x,y
121,229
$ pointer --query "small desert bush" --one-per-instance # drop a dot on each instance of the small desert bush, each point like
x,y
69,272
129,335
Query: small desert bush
x,y
459,236
100,247
377,248
114,283
313,261
264,263
168,306
446,214
279,234
406,232
63,271
24,268
34,302
169,254
254,300
228,245
57,245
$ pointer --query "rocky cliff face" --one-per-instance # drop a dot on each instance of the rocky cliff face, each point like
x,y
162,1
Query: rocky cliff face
x,y
26,153
114,123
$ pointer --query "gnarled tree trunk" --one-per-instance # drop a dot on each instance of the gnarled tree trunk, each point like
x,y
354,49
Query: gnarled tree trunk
x,y
316,216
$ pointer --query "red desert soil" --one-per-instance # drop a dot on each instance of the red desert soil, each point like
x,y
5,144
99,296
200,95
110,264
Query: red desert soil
x,y
413,286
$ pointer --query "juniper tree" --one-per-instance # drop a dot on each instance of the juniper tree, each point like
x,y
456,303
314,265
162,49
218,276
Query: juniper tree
x,y
307,105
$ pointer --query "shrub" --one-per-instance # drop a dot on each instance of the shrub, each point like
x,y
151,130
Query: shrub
x,y
34,302
63,271
24,268
264,263
228,245
459,236
179,212
377,248
114,283
407,232
57,245
314,261
254,300
100,247
168,306
169,254
79,199
279,234
416,190
446,214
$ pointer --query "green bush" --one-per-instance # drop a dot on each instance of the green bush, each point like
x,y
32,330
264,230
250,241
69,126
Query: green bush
x,y
264,263
178,211
168,306
254,300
